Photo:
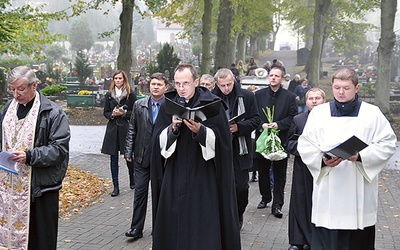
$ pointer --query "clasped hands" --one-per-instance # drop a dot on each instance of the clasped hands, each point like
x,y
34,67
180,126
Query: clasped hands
x,y
118,112
270,125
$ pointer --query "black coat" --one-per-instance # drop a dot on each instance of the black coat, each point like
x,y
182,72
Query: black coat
x,y
117,127
250,122
293,84
285,106
194,201
300,225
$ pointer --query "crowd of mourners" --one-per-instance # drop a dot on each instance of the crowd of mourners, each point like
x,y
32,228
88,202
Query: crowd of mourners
x,y
198,146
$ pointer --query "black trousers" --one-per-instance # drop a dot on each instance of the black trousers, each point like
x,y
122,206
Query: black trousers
x,y
242,188
263,165
327,239
43,224
142,178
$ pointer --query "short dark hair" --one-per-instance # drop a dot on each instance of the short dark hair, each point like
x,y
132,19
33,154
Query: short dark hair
x,y
191,67
160,76
346,74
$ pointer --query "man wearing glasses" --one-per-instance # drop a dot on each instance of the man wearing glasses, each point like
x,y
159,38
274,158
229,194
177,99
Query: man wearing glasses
x,y
192,174
35,131
138,148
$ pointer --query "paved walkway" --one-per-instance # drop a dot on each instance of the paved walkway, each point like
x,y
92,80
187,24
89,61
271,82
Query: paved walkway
x,y
102,226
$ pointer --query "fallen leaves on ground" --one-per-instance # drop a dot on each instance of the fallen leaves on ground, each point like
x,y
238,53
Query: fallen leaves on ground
x,y
86,116
81,189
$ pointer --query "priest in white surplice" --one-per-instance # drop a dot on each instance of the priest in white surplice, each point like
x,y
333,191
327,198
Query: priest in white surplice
x,y
345,195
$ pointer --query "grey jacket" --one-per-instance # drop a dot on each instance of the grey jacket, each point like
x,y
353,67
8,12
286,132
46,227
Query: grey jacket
x,y
138,143
50,155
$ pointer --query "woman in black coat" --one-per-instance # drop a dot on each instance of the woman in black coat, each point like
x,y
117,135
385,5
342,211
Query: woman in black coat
x,y
117,109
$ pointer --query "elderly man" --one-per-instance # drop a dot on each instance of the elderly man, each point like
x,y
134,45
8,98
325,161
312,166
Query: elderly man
x,y
36,131
192,173
207,81
239,102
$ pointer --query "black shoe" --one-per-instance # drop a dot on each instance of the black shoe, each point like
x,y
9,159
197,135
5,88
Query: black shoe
x,y
262,205
132,186
134,233
293,247
277,212
115,192
306,247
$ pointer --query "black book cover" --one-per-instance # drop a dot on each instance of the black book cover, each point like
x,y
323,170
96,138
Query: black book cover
x,y
198,114
236,118
348,148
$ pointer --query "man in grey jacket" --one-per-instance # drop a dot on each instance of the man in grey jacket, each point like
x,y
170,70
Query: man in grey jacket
x,y
36,132
138,148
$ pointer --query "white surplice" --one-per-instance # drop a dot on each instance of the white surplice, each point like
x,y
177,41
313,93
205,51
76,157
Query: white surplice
x,y
346,196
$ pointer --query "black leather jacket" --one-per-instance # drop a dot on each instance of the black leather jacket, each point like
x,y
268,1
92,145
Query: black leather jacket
x,y
139,131
50,155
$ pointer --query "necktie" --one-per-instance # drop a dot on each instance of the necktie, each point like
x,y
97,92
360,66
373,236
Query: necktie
x,y
155,111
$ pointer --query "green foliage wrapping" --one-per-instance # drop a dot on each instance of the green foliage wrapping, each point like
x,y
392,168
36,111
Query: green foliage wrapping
x,y
52,90
82,67
268,143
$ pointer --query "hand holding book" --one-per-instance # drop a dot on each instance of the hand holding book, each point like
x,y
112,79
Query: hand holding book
x,y
6,164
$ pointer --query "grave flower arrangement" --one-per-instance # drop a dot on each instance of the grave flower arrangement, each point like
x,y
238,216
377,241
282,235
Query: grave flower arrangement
x,y
269,144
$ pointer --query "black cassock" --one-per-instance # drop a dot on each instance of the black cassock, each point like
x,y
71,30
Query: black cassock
x,y
300,225
194,201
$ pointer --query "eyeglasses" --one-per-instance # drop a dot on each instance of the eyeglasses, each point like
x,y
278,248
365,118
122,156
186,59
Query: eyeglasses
x,y
182,84
21,89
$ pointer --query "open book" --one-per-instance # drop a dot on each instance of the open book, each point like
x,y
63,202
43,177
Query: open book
x,y
236,118
198,114
6,164
346,149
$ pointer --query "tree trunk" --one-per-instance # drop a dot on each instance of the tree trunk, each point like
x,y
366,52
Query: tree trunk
x,y
240,45
314,60
124,60
385,48
206,38
308,35
233,49
222,52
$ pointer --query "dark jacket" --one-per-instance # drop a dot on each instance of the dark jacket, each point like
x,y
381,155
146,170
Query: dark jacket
x,y
139,131
50,155
285,109
250,122
116,127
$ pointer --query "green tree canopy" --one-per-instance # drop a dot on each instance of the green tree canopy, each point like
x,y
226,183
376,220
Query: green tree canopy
x,y
82,67
24,30
80,35
167,59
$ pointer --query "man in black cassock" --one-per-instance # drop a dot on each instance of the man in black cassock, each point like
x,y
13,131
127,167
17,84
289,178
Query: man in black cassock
x,y
300,225
194,200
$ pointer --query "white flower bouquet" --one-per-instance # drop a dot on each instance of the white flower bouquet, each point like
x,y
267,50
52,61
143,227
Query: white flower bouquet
x,y
269,144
